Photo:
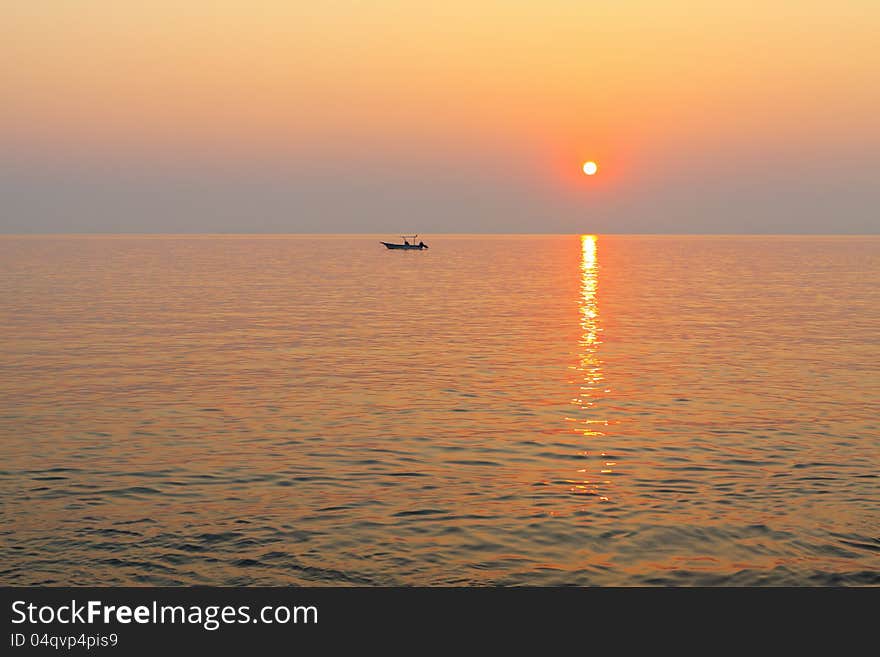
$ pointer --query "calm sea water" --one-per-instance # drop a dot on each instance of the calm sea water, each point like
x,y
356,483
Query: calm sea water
x,y
496,410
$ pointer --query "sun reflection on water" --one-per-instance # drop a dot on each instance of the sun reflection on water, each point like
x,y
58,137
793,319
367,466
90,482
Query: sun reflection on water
x,y
589,309
589,365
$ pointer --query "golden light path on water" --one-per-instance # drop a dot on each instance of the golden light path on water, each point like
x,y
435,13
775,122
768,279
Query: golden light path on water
x,y
590,365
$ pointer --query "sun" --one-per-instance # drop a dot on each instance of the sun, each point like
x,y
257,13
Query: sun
x,y
590,168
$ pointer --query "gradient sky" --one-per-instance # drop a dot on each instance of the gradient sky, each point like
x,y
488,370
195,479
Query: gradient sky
x,y
398,115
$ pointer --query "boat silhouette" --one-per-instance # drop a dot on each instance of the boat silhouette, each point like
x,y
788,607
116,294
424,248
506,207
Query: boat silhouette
x,y
409,243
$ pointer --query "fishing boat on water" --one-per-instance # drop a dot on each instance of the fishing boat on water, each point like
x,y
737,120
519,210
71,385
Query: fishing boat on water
x,y
409,243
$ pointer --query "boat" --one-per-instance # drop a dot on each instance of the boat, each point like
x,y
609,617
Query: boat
x,y
409,244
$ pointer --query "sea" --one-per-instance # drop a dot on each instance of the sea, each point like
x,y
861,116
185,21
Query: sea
x,y
504,410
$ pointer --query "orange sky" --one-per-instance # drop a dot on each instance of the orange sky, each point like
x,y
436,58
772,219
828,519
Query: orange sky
x,y
533,86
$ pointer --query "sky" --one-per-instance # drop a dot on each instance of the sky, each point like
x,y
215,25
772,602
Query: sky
x,y
406,116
